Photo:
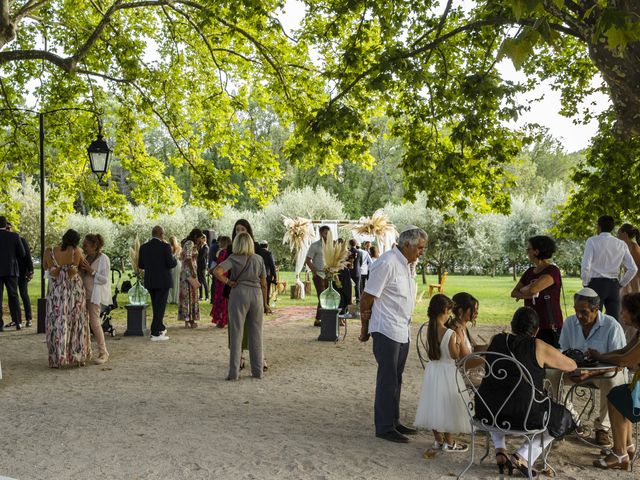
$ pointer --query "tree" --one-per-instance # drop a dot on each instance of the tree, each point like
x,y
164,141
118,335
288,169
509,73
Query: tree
x,y
191,67
434,69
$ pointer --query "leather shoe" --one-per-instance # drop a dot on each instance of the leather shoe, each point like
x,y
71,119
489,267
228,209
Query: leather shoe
x,y
406,430
393,436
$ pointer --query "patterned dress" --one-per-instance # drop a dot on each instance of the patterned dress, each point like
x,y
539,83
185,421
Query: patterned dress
x,y
189,308
220,304
67,322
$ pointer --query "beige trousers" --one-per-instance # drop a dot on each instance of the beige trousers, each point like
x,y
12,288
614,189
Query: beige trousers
x,y
96,327
605,385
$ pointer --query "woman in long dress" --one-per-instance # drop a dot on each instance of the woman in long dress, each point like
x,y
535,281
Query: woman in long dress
x,y
67,322
189,307
220,303
174,292
440,407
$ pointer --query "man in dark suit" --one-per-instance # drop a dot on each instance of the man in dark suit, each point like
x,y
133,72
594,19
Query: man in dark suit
x,y
202,262
156,260
270,267
11,251
25,266
355,264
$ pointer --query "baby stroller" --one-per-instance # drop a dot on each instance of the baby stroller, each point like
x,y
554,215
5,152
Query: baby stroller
x,y
105,313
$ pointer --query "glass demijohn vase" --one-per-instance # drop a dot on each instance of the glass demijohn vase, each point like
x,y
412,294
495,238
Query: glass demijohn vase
x,y
330,299
138,294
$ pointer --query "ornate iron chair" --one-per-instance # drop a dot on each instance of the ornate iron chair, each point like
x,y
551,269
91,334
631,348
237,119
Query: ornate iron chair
x,y
501,368
422,346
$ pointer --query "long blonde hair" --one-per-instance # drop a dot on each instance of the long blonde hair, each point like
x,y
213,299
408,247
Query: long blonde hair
x,y
176,249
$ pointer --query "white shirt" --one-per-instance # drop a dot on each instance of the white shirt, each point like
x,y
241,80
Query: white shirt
x,y
393,285
602,258
366,262
317,257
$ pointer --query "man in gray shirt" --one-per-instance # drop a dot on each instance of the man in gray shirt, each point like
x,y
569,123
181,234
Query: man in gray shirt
x,y
315,262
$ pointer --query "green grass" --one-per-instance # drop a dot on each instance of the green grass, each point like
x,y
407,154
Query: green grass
x,y
496,306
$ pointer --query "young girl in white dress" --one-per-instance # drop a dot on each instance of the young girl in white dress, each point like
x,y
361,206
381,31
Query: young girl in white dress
x,y
440,407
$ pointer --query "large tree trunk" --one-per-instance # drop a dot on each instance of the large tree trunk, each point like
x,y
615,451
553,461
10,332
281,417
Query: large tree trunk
x,y
622,74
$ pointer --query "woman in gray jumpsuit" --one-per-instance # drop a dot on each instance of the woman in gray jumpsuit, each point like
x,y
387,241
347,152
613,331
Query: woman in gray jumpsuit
x,y
247,302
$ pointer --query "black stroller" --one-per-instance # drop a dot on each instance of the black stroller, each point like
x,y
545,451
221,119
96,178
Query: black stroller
x,y
105,313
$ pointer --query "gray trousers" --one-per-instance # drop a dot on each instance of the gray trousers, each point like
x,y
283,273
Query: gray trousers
x,y
246,310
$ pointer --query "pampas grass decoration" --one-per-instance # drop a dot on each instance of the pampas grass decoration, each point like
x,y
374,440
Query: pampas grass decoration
x,y
134,254
298,234
335,256
378,225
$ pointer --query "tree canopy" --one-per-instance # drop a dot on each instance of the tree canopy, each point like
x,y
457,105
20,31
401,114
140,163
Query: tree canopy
x,y
199,69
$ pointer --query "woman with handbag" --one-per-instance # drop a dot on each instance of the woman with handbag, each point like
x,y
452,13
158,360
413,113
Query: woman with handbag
x,y
247,302
189,307
624,400
513,400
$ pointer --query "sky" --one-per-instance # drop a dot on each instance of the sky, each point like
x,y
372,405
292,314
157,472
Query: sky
x,y
543,112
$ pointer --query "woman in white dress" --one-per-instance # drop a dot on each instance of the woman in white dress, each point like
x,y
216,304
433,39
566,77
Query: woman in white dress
x,y
440,407
176,250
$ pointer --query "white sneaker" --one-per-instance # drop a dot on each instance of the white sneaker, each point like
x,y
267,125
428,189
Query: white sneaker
x,y
159,338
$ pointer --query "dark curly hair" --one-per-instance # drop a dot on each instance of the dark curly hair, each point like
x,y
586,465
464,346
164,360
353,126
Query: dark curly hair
x,y
631,303
71,238
437,306
545,246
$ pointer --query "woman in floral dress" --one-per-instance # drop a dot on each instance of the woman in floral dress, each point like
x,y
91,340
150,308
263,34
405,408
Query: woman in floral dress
x,y
189,308
67,322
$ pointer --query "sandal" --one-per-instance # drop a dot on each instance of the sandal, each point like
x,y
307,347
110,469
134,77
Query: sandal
x,y
631,450
613,462
506,462
456,447
522,466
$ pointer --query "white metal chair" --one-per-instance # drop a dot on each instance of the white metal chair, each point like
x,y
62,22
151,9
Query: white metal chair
x,y
422,345
502,368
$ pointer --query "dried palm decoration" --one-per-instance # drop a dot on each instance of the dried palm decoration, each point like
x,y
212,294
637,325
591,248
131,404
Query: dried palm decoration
x,y
379,226
299,233
335,256
134,255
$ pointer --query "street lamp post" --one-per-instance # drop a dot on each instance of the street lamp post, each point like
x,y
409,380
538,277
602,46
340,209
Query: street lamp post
x,y
99,156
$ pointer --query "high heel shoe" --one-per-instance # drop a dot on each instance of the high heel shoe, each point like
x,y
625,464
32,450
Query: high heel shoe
x,y
506,462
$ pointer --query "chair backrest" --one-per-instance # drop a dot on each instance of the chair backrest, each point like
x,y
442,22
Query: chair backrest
x,y
509,375
422,345
444,277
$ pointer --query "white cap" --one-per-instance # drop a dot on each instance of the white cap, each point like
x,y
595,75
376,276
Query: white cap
x,y
587,292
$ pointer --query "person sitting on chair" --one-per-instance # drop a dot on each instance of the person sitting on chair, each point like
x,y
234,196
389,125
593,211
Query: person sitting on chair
x,y
512,399
590,328
623,409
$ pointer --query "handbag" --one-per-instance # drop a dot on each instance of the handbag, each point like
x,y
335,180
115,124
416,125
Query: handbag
x,y
226,292
561,422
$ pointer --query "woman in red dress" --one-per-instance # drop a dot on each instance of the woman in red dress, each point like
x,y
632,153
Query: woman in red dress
x,y
219,311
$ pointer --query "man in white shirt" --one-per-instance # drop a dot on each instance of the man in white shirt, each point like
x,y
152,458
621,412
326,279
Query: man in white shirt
x,y
315,262
366,264
603,256
386,308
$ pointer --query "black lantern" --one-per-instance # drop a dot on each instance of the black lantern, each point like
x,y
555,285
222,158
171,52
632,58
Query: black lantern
x,y
99,155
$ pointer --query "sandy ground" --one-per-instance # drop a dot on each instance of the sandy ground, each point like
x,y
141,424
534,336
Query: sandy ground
x,y
164,411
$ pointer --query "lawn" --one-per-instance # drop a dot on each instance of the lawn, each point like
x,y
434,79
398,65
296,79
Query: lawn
x,y
496,306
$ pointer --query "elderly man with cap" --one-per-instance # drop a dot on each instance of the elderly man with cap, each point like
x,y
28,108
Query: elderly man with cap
x,y
589,328
386,308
